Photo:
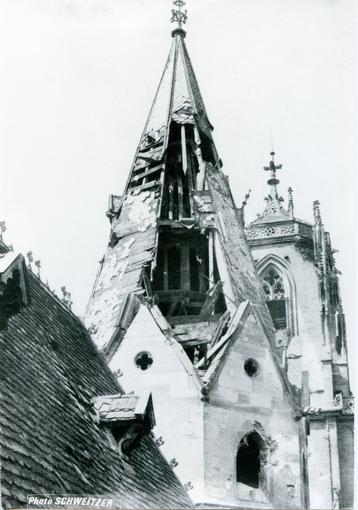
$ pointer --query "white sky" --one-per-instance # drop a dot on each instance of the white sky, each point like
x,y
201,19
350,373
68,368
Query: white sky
x,y
77,81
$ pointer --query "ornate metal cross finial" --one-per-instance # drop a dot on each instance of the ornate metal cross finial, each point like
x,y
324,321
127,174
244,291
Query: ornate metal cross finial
x,y
272,168
179,16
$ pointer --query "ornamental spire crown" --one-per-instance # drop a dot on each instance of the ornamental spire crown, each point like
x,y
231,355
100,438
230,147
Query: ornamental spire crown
x,y
179,17
274,210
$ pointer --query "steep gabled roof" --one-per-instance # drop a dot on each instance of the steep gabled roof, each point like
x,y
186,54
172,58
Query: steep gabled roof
x,y
51,439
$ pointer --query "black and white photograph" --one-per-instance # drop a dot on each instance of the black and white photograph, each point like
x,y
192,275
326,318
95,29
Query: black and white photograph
x,y
178,245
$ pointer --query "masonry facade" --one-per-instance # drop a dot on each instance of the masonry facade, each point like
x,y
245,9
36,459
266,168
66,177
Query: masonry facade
x,y
296,266
245,355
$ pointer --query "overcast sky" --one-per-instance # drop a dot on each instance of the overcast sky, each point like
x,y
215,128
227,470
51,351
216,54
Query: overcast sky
x,y
77,81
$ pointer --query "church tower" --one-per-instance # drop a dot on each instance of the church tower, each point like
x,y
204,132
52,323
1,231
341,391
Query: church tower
x,y
296,266
178,309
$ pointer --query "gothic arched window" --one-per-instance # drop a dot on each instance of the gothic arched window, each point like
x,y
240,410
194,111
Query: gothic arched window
x,y
248,459
275,294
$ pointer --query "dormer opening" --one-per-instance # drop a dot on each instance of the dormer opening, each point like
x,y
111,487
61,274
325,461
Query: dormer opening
x,y
126,419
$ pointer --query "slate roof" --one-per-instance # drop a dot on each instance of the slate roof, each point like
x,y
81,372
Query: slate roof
x,y
122,269
51,438
244,280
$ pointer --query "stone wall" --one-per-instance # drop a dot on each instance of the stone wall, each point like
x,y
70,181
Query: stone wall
x,y
176,394
346,461
240,404
308,340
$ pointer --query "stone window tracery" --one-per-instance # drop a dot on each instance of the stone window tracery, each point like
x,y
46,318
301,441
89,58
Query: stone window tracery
x,y
144,360
273,284
275,294
279,290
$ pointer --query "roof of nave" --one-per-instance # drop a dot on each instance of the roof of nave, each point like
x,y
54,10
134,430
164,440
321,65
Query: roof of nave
x,y
52,441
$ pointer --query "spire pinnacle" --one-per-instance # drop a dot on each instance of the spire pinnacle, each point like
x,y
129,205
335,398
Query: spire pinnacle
x,y
179,17
290,200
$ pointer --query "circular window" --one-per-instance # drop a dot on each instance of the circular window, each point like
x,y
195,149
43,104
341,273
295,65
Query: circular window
x,y
251,367
143,360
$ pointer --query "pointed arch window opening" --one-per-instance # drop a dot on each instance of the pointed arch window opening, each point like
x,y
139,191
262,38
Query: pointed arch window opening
x,y
276,297
251,459
340,326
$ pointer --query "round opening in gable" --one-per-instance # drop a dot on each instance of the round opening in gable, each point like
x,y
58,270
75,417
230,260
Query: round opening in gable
x,y
143,360
251,367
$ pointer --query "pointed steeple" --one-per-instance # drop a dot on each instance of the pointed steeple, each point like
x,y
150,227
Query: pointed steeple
x,y
178,101
168,238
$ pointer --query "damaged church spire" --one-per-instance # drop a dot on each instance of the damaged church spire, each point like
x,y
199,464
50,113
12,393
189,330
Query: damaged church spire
x,y
177,129
165,242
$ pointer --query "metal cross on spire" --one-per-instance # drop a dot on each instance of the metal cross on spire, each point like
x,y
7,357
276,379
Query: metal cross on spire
x,y
273,181
179,16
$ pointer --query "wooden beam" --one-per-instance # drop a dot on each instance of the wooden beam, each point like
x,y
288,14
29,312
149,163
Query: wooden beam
x,y
185,267
212,297
183,149
147,185
180,198
147,172
211,256
165,272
